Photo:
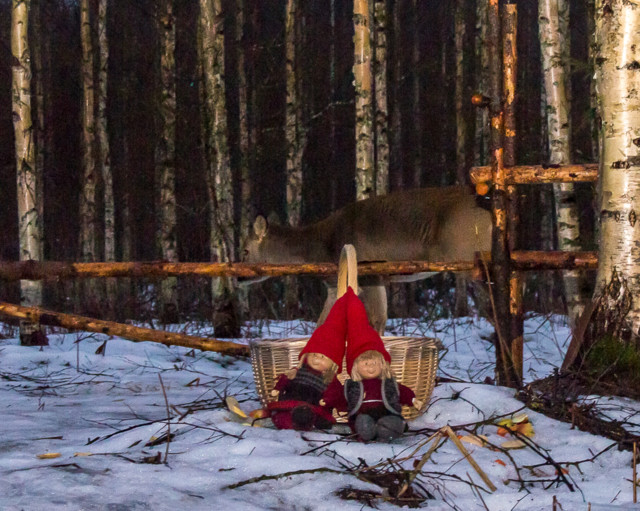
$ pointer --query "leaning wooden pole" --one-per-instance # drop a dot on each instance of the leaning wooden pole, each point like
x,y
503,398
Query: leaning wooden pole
x,y
130,332
509,70
500,260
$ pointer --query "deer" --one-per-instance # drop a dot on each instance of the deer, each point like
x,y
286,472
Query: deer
x,y
423,224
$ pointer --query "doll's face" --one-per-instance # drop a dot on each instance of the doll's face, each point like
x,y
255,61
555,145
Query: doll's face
x,y
368,368
318,362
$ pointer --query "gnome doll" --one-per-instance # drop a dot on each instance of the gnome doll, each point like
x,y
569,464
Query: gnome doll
x,y
307,394
374,397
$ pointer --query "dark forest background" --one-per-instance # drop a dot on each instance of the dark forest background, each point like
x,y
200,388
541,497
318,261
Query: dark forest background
x,y
329,158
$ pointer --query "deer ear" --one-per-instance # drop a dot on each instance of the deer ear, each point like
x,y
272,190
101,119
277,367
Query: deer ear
x,y
260,226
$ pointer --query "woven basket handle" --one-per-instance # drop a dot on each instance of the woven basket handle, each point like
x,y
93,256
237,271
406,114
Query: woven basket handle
x,y
347,270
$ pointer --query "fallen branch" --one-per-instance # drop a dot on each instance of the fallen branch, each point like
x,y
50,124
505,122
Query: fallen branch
x,y
130,332
285,474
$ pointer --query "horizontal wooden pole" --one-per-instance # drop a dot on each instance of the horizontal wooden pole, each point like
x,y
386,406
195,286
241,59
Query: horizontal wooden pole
x,y
554,260
52,270
539,174
130,332
44,270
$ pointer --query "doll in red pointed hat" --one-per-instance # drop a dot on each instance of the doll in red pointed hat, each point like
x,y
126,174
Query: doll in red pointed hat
x,y
308,393
374,397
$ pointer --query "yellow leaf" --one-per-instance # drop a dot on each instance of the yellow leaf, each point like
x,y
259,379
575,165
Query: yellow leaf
x,y
49,455
513,444
234,406
480,440
83,454
525,429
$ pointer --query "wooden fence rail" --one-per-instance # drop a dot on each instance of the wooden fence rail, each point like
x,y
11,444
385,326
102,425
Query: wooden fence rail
x,y
55,270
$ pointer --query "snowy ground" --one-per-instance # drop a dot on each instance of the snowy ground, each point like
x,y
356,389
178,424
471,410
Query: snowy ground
x,y
101,412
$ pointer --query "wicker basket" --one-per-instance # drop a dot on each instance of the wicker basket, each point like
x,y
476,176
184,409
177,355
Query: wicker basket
x,y
414,360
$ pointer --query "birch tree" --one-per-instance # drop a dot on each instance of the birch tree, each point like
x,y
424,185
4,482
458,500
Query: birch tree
x,y
29,177
554,40
617,86
294,131
365,184
218,174
165,156
105,150
381,138
88,208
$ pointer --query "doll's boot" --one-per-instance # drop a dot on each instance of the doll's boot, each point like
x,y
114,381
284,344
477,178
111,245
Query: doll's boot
x,y
390,427
365,427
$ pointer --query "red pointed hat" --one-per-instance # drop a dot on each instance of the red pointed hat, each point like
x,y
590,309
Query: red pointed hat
x,y
361,336
330,337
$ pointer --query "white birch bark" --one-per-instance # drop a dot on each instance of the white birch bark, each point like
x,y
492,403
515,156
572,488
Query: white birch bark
x,y
554,40
103,138
28,182
88,211
219,183
105,151
617,86
293,124
365,185
381,107
166,158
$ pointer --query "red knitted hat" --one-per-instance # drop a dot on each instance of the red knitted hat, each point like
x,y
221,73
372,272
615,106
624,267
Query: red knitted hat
x,y
361,336
330,337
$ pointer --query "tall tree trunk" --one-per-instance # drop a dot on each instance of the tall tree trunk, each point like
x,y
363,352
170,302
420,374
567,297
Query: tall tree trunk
x,y
365,184
295,137
554,40
482,63
617,83
380,86
88,291
105,153
244,137
88,211
166,159
218,173
461,303
294,132
417,123
29,179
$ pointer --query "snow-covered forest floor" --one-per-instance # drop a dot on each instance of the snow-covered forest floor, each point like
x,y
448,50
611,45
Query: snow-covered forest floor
x,y
84,431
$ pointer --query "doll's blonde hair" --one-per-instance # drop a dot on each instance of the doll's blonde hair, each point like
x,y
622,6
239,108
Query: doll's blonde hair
x,y
327,375
371,355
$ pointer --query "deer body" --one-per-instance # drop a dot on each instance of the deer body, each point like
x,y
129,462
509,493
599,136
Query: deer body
x,y
425,224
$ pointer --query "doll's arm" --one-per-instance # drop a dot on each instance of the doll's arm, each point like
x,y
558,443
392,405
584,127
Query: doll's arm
x,y
281,384
333,397
407,395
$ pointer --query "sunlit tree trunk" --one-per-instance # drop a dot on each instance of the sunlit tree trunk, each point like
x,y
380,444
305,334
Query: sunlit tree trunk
x,y
218,172
365,185
105,151
28,178
166,159
618,83
554,40
381,110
